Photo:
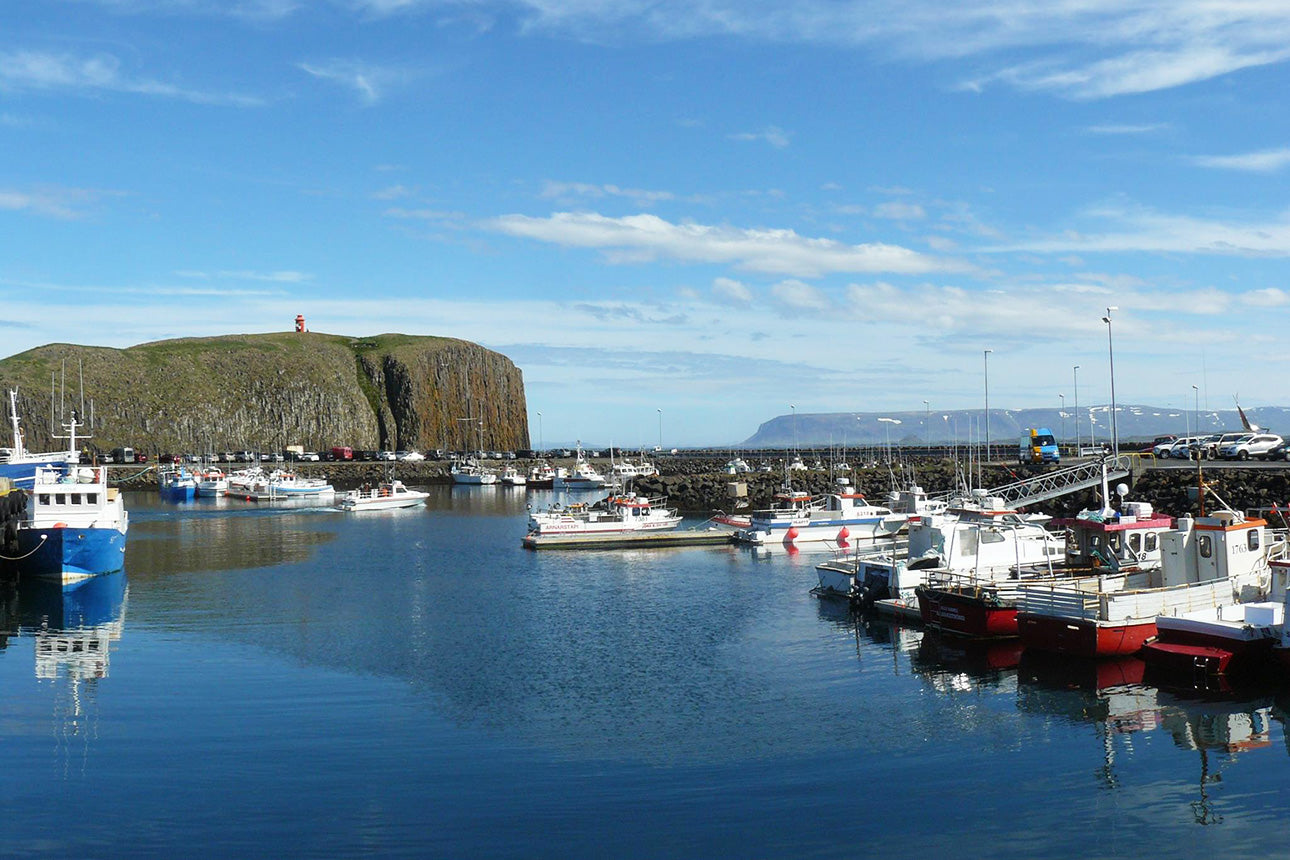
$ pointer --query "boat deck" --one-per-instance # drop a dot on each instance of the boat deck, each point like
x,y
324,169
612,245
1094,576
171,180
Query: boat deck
x,y
643,540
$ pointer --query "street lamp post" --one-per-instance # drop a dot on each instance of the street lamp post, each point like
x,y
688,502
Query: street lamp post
x,y
886,424
1110,350
1077,439
660,431
541,443
1063,414
986,359
1196,392
927,426
793,407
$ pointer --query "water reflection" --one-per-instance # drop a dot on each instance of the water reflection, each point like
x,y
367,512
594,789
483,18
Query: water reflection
x,y
73,632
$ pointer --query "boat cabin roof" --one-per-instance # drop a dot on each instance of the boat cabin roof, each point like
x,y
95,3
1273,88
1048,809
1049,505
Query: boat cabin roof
x,y
1156,521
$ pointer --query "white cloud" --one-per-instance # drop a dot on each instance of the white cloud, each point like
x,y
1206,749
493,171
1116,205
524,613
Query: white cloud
x,y
897,210
281,277
800,296
368,81
552,189
641,238
1264,161
39,71
393,192
52,201
1145,230
774,135
1267,297
727,288
1127,129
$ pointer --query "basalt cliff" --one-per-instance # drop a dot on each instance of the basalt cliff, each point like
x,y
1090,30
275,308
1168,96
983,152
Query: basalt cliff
x,y
263,392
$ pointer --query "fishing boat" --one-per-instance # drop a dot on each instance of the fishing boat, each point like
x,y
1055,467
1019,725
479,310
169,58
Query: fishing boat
x,y
972,534
582,477
74,528
542,476
1208,561
797,518
385,496
176,484
279,485
982,602
211,481
471,473
617,514
1213,644
511,477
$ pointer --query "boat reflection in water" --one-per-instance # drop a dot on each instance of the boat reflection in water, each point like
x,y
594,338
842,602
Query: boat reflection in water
x,y
74,630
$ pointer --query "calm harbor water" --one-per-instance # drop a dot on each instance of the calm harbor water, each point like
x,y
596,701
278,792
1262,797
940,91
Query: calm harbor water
x,y
305,683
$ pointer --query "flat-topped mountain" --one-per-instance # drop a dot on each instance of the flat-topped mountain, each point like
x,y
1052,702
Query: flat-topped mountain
x,y
267,391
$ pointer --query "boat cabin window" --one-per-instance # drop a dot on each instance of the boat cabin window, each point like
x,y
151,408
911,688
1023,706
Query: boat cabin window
x,y
1253,539
44,498
1135,543
75,498
91,498
60,498
1116,541
1206,545
1151,542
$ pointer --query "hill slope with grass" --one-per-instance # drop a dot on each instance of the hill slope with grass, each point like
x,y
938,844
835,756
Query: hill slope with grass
x,y
267,391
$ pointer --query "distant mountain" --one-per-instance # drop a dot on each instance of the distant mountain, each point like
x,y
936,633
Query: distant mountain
x,y
962,425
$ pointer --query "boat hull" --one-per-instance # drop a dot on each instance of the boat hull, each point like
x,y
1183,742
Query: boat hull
x,y
474,480
185,493
1083,637
839,531
966,614
69,555
388,504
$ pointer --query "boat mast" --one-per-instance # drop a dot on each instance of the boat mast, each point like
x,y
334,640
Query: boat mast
x,y
18,448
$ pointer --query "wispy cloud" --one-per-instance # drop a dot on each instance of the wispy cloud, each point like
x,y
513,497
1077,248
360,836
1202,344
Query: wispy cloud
x,y
897,210
565,190
368,81
728,289
1264,161
282,277
53,201
642,238
39,71
1128,129
1135,229
774,135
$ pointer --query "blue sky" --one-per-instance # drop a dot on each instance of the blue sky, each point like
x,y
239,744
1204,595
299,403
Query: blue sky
x,y
713,209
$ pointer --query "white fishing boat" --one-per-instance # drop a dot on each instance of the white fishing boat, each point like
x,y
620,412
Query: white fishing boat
x,y
797,518
583,476
542,475
385,496
281,485
511,477
211,481
616,514
973,534
471,473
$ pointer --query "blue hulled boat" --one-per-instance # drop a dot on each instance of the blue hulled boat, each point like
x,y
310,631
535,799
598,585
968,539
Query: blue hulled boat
x,y
75,527
18,464
177,484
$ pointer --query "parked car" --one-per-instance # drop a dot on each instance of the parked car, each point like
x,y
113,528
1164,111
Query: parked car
x,y
1208,449
310,456
1181,448
1255,445
1161,445
1280,452
387,455
410,456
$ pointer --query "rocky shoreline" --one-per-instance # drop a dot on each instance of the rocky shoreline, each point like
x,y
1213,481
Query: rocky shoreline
x,y
700,486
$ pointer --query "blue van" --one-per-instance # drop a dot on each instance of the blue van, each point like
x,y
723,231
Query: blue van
x,y
1038,445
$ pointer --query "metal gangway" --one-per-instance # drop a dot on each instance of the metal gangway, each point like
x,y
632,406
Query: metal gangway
x,y
1072,479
